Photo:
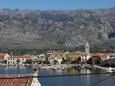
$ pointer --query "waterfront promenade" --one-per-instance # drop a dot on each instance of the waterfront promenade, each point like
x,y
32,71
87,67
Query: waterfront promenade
x,y
64,66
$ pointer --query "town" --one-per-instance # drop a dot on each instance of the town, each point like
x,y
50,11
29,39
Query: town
x,y
55,59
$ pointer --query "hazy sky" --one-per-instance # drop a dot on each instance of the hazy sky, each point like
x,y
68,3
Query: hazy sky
x,y
56,4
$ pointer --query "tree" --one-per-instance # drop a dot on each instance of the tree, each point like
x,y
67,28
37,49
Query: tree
x,y
94,60
97,60
46,61
40,62
89,61
5,61
28,61
18,60
55,61
63,61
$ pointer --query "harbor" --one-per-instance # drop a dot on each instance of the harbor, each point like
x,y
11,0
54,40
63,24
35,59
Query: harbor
x,y
75,77
60,75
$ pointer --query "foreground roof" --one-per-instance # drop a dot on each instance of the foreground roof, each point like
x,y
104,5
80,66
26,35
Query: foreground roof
x,y
15,80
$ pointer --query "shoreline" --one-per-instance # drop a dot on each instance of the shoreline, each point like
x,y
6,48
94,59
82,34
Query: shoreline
x,y
57,66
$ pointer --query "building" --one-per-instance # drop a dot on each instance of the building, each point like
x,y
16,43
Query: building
x,y
18,80
35,58
49,53
85,57
103,56
17,59
72,56
3,56
42,57
56,56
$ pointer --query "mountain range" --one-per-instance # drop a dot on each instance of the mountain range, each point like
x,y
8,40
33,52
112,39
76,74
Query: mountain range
x,y
57,29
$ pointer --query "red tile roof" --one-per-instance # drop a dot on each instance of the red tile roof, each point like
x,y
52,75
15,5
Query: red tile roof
x,y
100,54
85,54
20,57
15,80
3,54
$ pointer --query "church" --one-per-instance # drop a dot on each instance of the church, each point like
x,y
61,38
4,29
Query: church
x,y
86,55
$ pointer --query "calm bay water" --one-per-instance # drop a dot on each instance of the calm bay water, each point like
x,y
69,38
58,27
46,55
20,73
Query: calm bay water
x,y
15,70
82,80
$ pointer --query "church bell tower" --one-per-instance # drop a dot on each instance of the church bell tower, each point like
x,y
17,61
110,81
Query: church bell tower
x,y
87,47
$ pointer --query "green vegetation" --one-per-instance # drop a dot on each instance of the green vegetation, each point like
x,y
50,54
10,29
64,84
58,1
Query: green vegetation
x,y
89,61
18,60
63,61
28,61
94,60
55,61
39,62
46,61
5,61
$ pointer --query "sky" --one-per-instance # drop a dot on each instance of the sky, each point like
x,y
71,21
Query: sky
x,y
57,4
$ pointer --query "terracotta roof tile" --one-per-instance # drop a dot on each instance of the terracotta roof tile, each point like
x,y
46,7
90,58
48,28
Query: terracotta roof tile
x,y
3,54
100,54
20,57
7,80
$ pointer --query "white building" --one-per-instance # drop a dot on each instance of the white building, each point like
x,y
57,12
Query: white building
x,y
85,57
3,56
42,57
17,59
51,59
59,60
105,58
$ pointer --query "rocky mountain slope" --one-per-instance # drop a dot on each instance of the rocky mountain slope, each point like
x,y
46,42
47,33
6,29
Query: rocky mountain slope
x,y
36,29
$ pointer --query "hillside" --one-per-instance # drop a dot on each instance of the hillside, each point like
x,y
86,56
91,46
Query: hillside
x,y
58,29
